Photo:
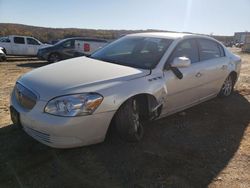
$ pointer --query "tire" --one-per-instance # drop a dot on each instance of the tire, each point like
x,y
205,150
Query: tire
x,y
54,57
128,122
227,87
3,58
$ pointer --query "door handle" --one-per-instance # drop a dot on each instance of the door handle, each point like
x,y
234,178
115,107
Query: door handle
x,y
198,75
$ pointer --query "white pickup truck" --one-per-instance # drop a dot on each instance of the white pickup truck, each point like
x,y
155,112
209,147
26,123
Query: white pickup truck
x,y
21,45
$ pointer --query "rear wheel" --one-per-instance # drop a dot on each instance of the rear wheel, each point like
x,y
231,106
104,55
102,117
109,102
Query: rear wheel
x,y
227,87
54,57
128,121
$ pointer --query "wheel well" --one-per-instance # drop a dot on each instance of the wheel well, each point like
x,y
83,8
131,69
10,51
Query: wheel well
x,y
147,103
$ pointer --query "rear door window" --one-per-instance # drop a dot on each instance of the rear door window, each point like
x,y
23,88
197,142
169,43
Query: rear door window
x,y
19,40
209,49
186,48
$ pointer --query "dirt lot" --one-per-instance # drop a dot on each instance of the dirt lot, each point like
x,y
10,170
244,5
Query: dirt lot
x,y
207,146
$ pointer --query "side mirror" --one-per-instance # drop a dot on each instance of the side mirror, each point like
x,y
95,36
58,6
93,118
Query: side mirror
x,y
180,62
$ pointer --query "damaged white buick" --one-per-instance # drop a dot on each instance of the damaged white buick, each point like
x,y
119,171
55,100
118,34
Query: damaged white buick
x,y
137,78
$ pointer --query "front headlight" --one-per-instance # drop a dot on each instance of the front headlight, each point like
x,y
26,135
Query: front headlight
x,y
74,105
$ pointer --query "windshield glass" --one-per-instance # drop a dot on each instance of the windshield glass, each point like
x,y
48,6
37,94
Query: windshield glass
x,y
60,41
139,52
4,39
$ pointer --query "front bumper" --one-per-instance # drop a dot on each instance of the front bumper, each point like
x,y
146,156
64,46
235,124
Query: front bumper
x,y
2,57
63,132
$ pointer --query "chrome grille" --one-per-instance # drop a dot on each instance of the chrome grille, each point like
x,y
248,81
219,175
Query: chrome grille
x,y
25,97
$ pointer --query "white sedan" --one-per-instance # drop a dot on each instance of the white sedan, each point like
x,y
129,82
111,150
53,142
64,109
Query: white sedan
x,y
137,78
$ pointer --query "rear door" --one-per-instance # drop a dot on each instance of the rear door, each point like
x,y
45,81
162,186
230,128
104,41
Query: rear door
x,y
213,64
19,47
32,46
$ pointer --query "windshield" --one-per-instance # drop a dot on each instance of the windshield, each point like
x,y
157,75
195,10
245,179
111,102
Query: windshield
x,y
60,41
139,52
4,39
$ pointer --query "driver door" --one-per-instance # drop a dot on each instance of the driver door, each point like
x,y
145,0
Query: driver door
x,y
32,46
182,93
68,49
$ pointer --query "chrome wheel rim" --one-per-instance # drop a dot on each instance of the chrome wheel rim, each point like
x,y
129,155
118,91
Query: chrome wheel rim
x,y
227,86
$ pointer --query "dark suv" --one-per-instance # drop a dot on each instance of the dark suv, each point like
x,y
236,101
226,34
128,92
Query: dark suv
x,y
69,48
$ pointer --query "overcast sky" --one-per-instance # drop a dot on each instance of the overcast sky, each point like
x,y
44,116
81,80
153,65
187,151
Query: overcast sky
x,y
220,17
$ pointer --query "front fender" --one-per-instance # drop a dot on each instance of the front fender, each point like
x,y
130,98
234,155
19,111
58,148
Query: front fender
x,y
115,96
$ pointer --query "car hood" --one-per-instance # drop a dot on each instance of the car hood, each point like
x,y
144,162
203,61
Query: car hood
x,y
46,46
76,75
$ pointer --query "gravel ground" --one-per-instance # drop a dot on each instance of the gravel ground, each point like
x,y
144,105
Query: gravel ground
x,y
205,146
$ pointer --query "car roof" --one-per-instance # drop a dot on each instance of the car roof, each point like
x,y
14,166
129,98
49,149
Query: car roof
x,y
169,35
19,36
85,38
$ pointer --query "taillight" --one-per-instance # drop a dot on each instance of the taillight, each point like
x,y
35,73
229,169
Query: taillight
x,y
86,47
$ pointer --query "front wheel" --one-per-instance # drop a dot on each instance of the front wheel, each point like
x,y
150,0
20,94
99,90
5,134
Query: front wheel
x,y
227,87
128,121
53,58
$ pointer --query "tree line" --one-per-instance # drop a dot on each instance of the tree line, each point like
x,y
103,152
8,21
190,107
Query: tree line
x,y
45,34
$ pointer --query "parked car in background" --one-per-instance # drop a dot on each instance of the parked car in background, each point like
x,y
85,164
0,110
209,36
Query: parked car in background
x,y
246,46
228,43
21,45
69,48
2,54
239,45
135,79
